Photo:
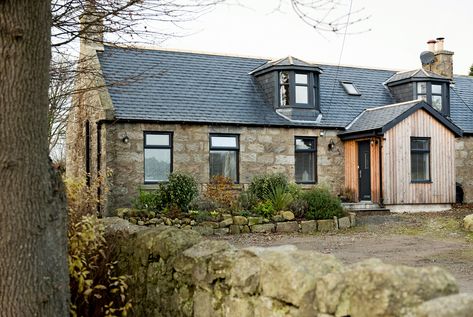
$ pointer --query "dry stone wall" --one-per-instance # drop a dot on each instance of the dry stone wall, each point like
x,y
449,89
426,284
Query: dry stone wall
x,y
262,150
176,273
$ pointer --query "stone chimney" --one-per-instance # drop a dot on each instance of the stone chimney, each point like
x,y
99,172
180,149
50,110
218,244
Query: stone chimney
x,y
91,28
443,61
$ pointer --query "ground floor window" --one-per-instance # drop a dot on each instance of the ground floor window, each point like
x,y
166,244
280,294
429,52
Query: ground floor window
x,y
420,159
305,159
224,149
158,156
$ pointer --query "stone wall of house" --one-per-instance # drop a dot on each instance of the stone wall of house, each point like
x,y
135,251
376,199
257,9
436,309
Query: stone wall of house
x,y
262,150
464,166
175,273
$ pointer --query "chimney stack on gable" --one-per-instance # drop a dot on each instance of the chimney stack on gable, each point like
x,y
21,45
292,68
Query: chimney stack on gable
x,y
443,61
91,27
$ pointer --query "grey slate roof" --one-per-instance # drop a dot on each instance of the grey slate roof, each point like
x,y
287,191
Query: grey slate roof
x,y
416,73
159,85
376,118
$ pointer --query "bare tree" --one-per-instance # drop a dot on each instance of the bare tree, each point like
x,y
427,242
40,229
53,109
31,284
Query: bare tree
x,y
33,268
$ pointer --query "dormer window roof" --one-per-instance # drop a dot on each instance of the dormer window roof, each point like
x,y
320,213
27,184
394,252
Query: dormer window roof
x,y
422,84
296,84
350,88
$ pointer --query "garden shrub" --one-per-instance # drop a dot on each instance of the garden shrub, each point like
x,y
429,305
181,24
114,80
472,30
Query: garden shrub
x,y
322,204
202,203
279,196
247,200
299,207
264,209
96,289
294,190
180,190
261,184
220,190
148,200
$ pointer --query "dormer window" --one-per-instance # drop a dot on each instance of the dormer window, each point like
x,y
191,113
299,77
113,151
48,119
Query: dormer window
x,y
297,89
434,94
350,88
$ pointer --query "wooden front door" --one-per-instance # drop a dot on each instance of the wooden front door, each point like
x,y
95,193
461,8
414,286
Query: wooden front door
x,y
364,173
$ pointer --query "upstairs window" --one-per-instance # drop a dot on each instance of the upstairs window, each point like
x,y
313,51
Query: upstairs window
x,y
224,149
305,159
420,160
158,156
298,89
435,94
350,88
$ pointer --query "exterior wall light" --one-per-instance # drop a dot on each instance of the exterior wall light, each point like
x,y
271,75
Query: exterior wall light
x,y
126,139
331,145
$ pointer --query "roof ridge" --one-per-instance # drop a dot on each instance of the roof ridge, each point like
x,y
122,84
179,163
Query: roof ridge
x,y
394,105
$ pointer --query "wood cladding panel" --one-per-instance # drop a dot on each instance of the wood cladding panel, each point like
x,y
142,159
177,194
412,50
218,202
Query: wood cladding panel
x,y
397,186
351,167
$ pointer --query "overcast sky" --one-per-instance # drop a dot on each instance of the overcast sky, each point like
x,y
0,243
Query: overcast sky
x,y
398,32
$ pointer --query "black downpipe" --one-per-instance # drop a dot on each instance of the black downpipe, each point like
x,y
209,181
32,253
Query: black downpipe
x,y
99,155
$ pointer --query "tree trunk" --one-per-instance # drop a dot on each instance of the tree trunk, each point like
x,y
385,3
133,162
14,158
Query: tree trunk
x,y
33,245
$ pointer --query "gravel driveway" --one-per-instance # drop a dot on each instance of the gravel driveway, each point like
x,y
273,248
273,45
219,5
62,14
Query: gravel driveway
x,y
411,239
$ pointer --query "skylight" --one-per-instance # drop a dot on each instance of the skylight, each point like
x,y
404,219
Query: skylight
x,y
350,88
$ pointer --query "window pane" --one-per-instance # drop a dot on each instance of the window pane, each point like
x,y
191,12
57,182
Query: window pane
x,y
420,144
421,88
157,139
437,102
157,164
437,89
301,78
284,94
420,166
305,167
305,144
350,88
423,97
224,163
284,78
224,141
302,95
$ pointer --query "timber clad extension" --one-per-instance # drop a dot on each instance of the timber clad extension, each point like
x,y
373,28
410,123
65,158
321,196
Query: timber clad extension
x,y
393,138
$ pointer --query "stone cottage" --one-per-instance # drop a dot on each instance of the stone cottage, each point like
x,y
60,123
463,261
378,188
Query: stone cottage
x,y
400,139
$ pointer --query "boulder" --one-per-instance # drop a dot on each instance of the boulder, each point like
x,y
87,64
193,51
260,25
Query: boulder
x,y
309,226
226,222
344,222
266,227
468,223
287,215
255,220
460,305
240,220
292,226
372,288
277,218
286,271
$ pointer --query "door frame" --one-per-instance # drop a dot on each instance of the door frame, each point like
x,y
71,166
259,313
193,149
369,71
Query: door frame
x,y
364,179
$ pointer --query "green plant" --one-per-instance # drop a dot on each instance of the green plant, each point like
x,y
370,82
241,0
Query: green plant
x,y
299,207
180,190
244,213
322,204
279,197
148,200
96,289
294,190
203,203
261,184
247,200
264,209
220,190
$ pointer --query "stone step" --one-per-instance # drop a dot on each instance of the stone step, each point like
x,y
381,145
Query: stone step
x,y
360,205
